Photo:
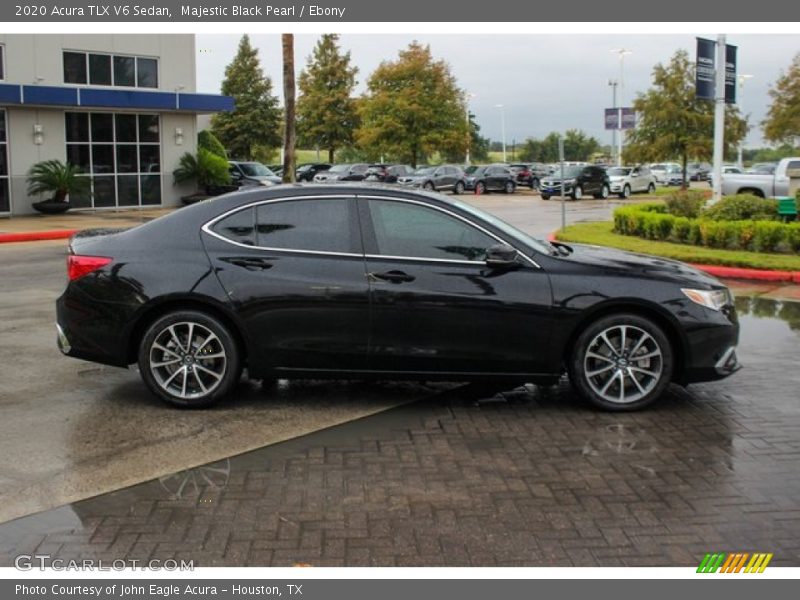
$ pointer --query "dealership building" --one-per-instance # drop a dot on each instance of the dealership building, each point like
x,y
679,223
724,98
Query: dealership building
x,y
121,108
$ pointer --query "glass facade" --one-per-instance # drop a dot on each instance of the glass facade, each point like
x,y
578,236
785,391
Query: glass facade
x,y
90,68
121,152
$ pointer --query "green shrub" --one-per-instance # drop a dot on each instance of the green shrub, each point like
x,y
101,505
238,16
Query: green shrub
x,y
685,203
793,236
743,207
206,169
767,235
208,141
680,229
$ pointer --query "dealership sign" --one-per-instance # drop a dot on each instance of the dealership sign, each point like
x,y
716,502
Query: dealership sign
x,y
706,68
612,116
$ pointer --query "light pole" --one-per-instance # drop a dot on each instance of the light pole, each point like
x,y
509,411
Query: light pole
x,y
742,78
502,127
468,96
613,83
622,52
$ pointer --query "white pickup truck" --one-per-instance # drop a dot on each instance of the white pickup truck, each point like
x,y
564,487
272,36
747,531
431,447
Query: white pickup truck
x,y
765,186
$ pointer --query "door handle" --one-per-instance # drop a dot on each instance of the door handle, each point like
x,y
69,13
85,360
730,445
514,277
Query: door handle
x,y
253,264
391,277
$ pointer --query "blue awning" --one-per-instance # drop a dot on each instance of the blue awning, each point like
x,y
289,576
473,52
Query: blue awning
x,y
94,97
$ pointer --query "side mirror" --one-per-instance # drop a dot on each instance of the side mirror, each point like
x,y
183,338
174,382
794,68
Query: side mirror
x,y
500,255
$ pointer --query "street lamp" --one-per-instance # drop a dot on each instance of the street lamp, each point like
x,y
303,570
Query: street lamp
x,y
622,52
742,78
468,96
613,83
502,127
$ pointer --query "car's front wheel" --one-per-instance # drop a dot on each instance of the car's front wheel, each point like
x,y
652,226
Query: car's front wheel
x,y
509,187
626,192
189,359
428,186
577,193
603,195
621,362
480,188
459,189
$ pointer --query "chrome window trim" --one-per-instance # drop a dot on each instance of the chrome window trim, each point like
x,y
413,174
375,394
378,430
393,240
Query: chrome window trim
x,y
209,224
452,214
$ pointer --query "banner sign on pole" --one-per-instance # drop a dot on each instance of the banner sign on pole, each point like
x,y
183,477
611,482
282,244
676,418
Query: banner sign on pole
x,y
612,118
704,71
628,118
730,74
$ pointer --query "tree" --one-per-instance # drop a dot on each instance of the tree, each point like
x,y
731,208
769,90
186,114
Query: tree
x,y
478,145
783,118
326,112
289,174
208,141
256,119
673,122
413,108
578,146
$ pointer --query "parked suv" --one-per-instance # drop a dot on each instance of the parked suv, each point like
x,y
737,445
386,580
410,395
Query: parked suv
x,y
250,173
529,174
578,181
444,177
629,180
490,178
388,173
345,172
306,172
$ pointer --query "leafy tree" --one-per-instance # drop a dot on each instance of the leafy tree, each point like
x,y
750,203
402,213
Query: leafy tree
x,y
578,146
783,118
256,119
413,108
673,122
287,42
478,145
208,141
326,113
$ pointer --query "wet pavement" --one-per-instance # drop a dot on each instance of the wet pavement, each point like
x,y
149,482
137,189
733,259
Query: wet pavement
x,y
449,476
469,477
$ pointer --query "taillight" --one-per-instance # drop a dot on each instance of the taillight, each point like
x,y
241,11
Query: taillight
x,y
78,266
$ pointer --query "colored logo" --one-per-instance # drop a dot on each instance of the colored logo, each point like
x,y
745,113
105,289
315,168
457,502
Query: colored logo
x,y
734,562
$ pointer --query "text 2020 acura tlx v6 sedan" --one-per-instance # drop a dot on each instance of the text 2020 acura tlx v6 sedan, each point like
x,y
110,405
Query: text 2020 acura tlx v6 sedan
x,y
356,281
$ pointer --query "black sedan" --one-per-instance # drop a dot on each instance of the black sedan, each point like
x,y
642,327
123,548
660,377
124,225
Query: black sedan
x,y
355,281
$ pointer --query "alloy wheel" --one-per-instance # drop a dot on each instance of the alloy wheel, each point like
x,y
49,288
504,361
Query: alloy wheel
x,y
187,360
623,364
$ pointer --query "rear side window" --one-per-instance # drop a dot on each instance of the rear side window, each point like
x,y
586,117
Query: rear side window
x,y
238,227
312,225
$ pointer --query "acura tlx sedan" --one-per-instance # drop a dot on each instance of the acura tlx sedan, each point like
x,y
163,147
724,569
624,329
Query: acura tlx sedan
x,y
358,282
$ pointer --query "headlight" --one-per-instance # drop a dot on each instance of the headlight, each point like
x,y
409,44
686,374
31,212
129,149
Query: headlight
x,y
713,299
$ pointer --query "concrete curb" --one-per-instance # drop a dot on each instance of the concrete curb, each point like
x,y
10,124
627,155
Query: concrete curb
x,y
36,236
735,272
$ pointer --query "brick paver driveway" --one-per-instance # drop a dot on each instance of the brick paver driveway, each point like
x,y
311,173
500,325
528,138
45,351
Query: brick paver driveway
x,y
531,477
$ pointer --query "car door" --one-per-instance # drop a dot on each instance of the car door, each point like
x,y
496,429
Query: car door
x,y
294,272
435,304
440,178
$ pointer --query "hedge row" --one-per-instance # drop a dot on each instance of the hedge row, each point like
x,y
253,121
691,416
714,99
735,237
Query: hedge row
x,y
650,221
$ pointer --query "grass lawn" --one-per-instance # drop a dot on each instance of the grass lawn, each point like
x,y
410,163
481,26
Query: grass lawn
x,y
601,234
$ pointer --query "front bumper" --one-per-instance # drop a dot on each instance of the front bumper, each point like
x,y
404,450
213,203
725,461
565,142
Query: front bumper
x,y
616,187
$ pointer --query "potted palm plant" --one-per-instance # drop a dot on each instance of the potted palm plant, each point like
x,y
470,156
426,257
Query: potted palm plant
x,y
56,178
207,170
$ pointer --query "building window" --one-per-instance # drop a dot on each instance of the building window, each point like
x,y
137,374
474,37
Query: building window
x,y
2,62
106,69
121,153
5,195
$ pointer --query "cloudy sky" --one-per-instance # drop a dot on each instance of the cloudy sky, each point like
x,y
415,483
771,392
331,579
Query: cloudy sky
x,y
545,82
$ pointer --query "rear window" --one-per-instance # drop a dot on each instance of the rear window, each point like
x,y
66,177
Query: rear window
x,y
315,225
238,227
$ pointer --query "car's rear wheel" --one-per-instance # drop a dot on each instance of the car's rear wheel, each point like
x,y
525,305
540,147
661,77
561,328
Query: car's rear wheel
x,y
603,195
577,193
428,186
509,187
480,188
621,362
651,189
459,189
534,184
189,359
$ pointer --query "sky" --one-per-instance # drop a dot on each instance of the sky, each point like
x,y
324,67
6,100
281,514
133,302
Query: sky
x,y
543,82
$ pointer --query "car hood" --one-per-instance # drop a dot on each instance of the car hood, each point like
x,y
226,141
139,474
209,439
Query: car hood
x,y
645,265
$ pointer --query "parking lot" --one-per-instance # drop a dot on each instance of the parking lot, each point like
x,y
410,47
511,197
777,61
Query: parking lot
x,y
393,474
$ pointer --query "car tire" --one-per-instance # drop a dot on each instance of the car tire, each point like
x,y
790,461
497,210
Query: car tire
x,y
429,186
509,187
577,193
545,197
459,188
603,195
626,192
169,360
651,189
606,373
480,188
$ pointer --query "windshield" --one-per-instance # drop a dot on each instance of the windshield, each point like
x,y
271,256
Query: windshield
x,y
424,171
471,169
339,168
618,172
255,170
569,172
512,232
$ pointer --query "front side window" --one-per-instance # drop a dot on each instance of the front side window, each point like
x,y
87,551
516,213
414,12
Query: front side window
x,y
311,225
410,230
